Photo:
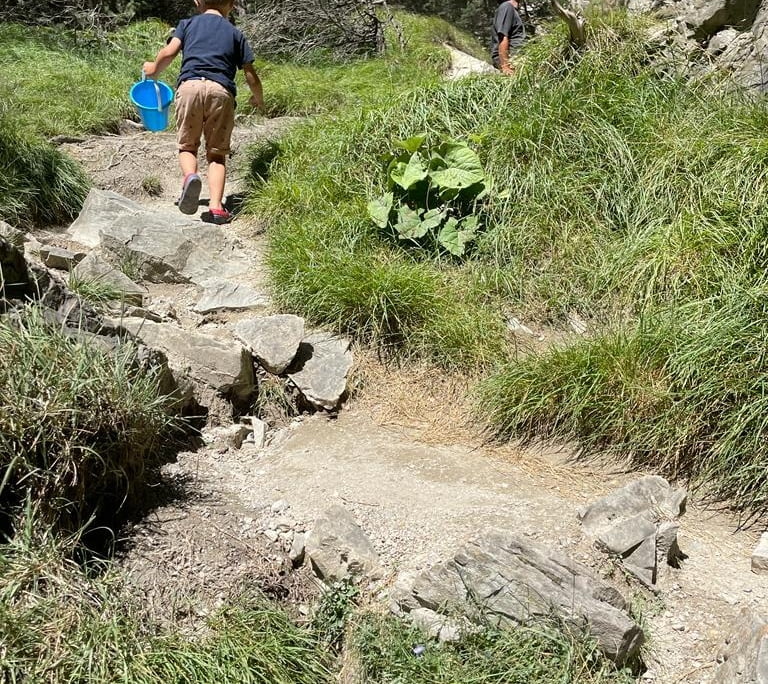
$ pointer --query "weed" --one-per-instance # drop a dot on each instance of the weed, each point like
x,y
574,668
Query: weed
x,y
38,184
152,186
93,290
61,623
333,612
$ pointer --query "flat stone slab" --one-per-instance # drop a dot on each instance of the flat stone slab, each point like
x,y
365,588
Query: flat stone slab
x,y
224,294
95,268
273,340
226,368
322,365
760,556
165,247
505,580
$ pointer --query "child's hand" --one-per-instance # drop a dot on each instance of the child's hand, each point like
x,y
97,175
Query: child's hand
x,y
149,69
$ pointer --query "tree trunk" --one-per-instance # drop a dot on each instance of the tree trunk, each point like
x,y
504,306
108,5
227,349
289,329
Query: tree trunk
x,y
576,25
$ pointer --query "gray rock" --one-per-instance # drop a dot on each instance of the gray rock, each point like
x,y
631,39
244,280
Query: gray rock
x,y
14,275
760,556
224,294
258,432
164,247
745,654
637,523
130,311
95,268
100,209
11,235
63,259
721,41
504,580
280,506
339,549
224,367
320,369
273,340
463,65
296,553
437,626
707,17
235,434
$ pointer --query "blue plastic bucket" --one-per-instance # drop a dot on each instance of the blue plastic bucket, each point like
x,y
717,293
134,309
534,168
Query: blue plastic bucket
x,y
152,100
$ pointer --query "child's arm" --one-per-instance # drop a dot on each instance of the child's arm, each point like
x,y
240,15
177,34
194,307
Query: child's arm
x,y
254,83
163,59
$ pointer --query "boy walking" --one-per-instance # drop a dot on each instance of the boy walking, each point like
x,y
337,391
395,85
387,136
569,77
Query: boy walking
x,y
212,52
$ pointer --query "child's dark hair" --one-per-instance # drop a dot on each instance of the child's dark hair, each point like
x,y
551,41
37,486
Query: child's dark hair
x,y
215,4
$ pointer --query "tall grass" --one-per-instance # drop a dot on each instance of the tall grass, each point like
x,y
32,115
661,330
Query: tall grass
x,y
79,429
38,184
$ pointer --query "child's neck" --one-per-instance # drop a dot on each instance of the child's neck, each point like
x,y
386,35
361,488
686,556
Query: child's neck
x,y
215,11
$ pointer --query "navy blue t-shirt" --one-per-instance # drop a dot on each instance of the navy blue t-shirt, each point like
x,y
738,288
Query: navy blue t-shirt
x,y
212,48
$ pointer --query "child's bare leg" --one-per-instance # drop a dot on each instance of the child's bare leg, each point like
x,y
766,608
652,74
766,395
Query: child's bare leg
x,y
187,162
217,175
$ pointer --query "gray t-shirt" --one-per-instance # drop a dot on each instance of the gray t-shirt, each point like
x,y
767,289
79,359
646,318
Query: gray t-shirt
x,y
507,22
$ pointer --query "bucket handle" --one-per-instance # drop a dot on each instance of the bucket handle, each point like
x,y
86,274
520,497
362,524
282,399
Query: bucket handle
x,y
157,91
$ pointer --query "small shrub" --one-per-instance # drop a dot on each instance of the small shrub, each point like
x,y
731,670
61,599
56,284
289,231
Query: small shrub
x,y
433,194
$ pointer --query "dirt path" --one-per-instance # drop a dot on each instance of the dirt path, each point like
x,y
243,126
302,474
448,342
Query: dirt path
x,y
417,485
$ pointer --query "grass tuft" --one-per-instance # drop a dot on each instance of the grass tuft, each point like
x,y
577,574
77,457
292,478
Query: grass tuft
x,y
384,649
79,428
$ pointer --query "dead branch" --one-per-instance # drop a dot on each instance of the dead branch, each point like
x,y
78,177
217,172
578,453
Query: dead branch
x,y
576,25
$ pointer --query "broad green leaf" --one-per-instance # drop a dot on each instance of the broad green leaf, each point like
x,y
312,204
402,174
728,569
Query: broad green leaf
x,y
468,226
409,225
410,174
432,219
380,208
458,155
454,178
455,235
411,144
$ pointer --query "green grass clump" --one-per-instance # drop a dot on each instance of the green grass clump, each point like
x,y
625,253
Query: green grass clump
x,y
61,623
78,427
38,184
383,648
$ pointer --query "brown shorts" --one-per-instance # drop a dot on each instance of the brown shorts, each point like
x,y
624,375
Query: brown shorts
x,y
204,107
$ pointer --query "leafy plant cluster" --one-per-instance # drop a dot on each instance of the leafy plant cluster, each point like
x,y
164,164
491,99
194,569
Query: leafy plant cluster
x,y
434,194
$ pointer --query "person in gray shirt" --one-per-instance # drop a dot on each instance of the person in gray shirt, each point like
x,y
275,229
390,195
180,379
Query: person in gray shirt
x,y
507,36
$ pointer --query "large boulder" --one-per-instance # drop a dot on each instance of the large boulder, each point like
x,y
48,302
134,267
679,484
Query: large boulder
x,y
226,368
504,580
321,368
338,549
745,654
273,340
638,523
164,247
